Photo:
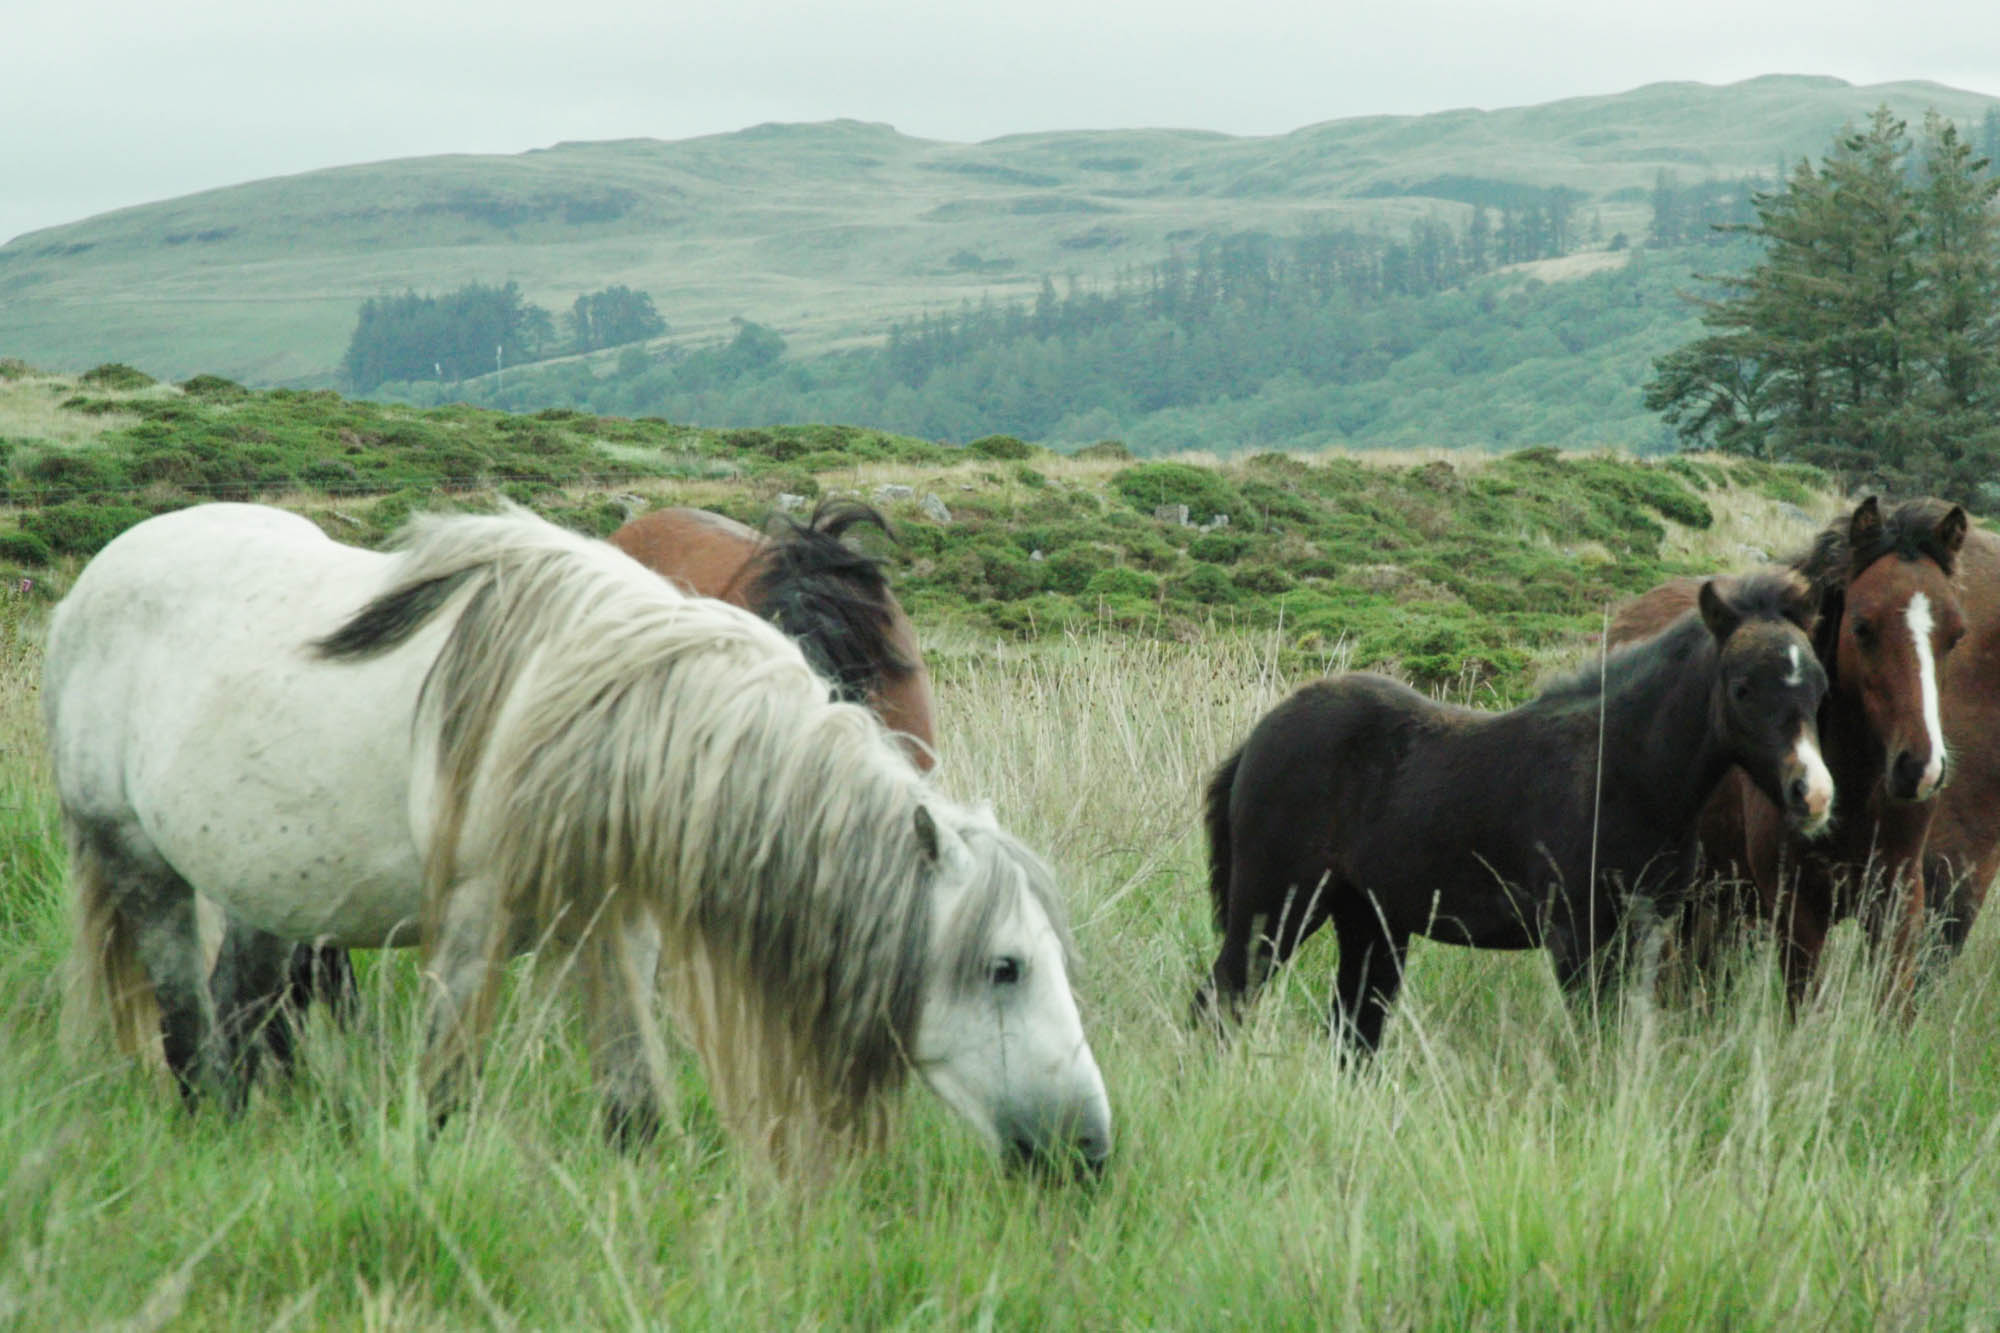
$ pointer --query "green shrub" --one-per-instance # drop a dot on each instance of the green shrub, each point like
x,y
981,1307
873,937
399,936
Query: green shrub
x,y
1120,582
24,548
330,474
1204,491
1003,447
69,474
1205,583
213,387
1009,574
116,375
13,368
77,527
1071,570
1219,547
1264,578
1105,451
176,467
1028,477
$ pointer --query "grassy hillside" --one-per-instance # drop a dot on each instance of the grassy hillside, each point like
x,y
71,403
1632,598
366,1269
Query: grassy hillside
x,y
1505,1162
1463,572
828,231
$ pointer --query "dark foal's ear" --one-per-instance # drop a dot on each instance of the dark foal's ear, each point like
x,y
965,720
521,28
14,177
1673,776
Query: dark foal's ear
x,y
1951,530
927,834
1717,613
1865,528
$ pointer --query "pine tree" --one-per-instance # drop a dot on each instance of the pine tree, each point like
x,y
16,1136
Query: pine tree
x,y
1958,347
1864,340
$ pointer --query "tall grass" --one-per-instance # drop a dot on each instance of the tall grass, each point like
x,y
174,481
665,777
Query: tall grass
x,y
1504,1163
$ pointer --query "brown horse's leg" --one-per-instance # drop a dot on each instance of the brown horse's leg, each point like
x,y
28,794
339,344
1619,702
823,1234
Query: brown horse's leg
x,y
1896,914
1803,917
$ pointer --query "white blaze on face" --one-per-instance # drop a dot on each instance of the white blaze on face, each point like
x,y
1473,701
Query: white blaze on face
x,y
1819,783
1798,672
1919,617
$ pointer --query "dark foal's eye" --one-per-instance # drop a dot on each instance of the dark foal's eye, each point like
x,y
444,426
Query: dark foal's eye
x,y
1740,691
1005,971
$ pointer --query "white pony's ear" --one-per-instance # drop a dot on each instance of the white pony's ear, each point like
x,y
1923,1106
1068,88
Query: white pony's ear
x,y
927,834
942,844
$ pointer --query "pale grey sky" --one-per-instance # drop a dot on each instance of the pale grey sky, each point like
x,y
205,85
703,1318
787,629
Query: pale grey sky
x,y
109,103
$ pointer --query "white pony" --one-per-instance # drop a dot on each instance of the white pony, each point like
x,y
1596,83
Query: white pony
x,y
506,734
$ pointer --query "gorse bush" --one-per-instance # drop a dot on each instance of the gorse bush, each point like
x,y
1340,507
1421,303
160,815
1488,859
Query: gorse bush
x,y
116,375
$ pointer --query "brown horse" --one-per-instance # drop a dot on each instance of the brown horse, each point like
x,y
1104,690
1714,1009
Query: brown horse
x,y
827,595
1890,617
808,582
1964,851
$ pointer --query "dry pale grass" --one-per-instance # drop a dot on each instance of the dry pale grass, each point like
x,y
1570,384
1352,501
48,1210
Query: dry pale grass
x,y
32,411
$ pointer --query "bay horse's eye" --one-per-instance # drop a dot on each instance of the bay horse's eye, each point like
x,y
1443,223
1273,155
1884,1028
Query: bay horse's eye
x,y
1006,971
1864,633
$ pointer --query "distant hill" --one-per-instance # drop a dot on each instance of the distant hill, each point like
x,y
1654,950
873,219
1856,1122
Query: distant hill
x,y
827,232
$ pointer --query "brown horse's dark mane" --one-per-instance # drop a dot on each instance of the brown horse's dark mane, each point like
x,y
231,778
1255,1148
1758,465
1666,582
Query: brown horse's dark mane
x,y
832,598
1908,531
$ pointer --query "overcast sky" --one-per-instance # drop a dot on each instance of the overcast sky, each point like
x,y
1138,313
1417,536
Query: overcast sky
x,y
108,103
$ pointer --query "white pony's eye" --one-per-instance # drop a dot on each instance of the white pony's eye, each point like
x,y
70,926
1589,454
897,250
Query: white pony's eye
x,y
1006,971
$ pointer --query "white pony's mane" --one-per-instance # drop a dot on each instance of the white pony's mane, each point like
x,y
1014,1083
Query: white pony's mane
x,y
626,750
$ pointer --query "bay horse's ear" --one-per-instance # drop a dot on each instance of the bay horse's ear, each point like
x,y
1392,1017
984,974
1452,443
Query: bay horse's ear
x,y
927,834
1951,530
1865,528
1799,603
1717,613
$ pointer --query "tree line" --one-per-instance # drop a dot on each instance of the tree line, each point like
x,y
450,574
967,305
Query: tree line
x,y
1245,340
479,328
1866,338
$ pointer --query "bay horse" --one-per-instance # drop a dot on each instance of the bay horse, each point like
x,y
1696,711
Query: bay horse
x,y
505,734
834,599
1362,802
1963,854
1890,617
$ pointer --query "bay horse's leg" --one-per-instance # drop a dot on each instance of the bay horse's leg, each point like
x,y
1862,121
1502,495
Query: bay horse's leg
x,y
1371,972
1803,918
461,974
619,974
250,988
1893,914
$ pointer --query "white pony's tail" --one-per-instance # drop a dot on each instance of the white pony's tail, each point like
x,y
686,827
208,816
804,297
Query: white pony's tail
x,y
105,989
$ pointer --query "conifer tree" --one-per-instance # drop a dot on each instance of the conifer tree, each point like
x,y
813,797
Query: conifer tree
x,y
1865,339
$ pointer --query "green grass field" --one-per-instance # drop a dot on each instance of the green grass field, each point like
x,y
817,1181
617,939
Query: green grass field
x,y
1506,1163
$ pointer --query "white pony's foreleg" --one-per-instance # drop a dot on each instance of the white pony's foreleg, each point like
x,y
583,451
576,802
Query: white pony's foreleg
x,y
461,975
618,974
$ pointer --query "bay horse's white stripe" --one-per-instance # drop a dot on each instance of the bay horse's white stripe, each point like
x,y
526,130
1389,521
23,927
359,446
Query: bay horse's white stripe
x,y
1919,617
